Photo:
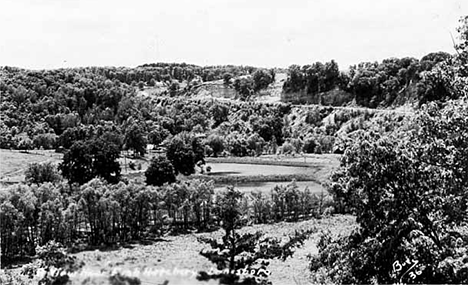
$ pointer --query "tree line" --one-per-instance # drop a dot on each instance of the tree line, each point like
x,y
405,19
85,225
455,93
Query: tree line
x,y
372,84
98,213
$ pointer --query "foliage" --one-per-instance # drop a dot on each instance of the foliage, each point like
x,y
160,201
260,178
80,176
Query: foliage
x,y
245,87
56,263
374,84
160,171
121,117
262,78
88,159
185,151
219,113
216,144
237,253
313,79
135,139
227,78
98,213
408,193
39,106
41,172
157,135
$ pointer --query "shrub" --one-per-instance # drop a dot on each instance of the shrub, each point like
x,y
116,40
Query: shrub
x,y
41,172
287,148
310,145
216,143
55,262
45,141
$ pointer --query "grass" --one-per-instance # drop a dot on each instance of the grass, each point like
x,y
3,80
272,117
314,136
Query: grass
x,y
182,253
13,163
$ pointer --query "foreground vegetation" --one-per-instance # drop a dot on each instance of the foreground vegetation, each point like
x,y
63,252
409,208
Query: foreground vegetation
x,y
102,214
408,192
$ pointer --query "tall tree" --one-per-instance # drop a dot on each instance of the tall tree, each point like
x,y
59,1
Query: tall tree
x,y
77,164
185,151
160,171
91,158
135,139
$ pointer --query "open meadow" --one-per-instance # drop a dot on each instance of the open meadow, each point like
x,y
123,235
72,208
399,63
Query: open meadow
x,y
13,163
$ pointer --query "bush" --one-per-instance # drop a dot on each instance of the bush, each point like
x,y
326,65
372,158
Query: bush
x,y
45,141
287,148
216,144
310,145
55,262
41,172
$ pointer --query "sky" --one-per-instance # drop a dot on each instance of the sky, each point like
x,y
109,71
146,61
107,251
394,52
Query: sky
x,y
268,33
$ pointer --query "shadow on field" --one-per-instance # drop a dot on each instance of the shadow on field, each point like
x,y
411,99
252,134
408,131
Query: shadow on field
x,y
17,262
224,173
114,247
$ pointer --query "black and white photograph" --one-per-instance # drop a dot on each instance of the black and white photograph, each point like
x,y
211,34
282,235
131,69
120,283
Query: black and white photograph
x,y
260,142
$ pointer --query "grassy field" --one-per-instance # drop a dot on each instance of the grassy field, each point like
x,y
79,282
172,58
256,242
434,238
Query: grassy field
x,y
14,162
179,258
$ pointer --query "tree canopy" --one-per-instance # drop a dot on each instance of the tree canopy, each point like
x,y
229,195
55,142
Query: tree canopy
x,y
91,158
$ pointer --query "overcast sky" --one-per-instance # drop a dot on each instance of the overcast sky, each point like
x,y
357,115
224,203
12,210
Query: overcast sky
x,y
68,33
